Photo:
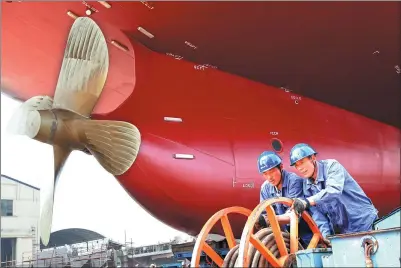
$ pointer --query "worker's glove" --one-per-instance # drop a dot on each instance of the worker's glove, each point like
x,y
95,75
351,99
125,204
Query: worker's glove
x,y
300,205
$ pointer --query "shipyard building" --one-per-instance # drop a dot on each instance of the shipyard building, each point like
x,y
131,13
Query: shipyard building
x,y
20,208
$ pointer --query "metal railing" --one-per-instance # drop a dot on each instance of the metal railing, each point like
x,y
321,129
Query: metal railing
x,y
7,264
96,252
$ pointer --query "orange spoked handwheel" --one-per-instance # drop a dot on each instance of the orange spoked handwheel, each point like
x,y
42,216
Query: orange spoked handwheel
x,y
201,244
278,248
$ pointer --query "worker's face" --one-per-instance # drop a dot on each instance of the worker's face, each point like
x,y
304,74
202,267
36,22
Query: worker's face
x,y
273,176
305,166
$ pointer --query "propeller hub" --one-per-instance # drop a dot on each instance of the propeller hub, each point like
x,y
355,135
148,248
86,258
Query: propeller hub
x,y
54,127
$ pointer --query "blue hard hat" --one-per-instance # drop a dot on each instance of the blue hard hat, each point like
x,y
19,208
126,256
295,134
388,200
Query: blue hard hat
x,y
268,160
299,151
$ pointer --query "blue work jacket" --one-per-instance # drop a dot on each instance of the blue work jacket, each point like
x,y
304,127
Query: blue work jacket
x,y
341,204
291,188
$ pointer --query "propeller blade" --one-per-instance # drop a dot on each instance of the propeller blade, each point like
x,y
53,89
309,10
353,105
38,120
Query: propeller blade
x,y
84,69
20,121
115,144
47,193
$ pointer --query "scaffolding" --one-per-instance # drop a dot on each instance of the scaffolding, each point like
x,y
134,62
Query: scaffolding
x,y
7,263
95,253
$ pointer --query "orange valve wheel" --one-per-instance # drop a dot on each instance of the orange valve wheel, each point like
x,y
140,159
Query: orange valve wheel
x,y
201,244
278,248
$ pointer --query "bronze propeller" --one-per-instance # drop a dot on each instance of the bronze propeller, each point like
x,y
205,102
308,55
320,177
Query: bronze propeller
x,y
65,121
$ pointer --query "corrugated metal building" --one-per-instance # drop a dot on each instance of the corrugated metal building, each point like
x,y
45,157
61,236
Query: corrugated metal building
x,y
20,209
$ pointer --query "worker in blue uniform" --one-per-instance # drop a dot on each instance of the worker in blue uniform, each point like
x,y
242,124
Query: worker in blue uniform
x,y
336,201
281,183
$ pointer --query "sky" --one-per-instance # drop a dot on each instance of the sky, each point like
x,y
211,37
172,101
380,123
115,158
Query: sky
x,y
86,196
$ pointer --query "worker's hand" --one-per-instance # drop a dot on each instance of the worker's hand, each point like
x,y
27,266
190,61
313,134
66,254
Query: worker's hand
x,y
327,242
299,205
